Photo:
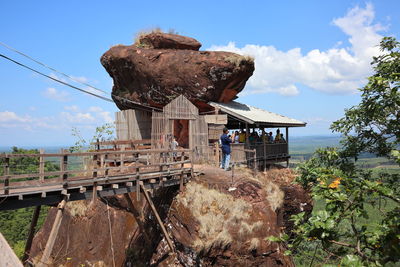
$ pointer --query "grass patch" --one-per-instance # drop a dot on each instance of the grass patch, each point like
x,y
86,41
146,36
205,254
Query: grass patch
x,y
238,60
77,208
217,213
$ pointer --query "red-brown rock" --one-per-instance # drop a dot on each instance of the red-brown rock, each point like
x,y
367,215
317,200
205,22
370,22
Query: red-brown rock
x,y
156,76
209,223
160,40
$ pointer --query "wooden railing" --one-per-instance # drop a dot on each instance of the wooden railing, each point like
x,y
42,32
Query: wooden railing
x,y
88,169
270,151
122,144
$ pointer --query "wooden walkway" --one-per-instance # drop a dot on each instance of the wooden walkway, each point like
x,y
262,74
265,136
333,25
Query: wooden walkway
x,y
88,175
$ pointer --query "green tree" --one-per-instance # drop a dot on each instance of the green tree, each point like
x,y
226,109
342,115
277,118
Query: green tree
x,y
102,133
14,224
373,125
358,223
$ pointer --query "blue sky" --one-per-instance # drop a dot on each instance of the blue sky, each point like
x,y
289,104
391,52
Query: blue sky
x,y
310,56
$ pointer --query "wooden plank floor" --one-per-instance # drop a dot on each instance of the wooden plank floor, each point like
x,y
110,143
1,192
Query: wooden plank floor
x,y
45,194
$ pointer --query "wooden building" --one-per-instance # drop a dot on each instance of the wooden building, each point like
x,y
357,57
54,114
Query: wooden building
x,y
201,132
248,119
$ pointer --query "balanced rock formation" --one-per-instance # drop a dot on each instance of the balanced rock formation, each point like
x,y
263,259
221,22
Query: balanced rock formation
x,y
160,67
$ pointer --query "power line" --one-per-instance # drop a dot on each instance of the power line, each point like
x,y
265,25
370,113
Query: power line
x,y
53,69
57,80
139,105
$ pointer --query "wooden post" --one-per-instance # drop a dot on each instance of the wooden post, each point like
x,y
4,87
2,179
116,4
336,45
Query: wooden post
x,y
265,152
63,164
105,164
94,176
41,166
7,255
97,144
53,235
7,177
31,234
64,167
247,135
255,159
181,177
122,157
287,146
287,140
160,223
138,218
216,111
217,153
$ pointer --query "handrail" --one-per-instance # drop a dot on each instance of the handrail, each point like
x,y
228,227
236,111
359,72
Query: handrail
x,y
105,164
80,154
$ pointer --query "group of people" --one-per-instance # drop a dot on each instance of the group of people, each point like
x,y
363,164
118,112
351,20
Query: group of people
x,y
256,137
237,137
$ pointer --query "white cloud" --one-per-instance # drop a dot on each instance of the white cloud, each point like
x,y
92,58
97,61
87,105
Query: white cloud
x,y
10,116
55,94
73,108
104,115
77,117
95,109
81,79
86,119
336,70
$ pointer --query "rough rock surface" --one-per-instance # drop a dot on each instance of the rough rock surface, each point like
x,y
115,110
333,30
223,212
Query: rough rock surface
x,y
84,237
155,76
160,40
209,223
195,219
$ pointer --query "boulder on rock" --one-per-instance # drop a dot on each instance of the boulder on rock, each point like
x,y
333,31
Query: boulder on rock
x,y
162,66
160,40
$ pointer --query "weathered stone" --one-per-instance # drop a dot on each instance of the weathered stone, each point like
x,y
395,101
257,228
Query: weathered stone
x,y
160,40
156,76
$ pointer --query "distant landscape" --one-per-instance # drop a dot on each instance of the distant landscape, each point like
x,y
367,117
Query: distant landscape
x,y
301,148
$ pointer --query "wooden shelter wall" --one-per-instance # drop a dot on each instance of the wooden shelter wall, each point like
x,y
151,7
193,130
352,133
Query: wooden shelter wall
x,y
133,124
199,138
181,108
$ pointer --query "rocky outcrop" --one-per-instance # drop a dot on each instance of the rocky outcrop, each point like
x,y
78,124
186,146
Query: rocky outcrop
x,y
160,67
214,221
104,232
228,224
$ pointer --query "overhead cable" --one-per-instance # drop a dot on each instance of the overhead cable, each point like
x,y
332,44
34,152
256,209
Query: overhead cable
x,y
57,80
139,105
53,69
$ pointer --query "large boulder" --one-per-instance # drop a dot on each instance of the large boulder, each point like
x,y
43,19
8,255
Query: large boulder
x,y
160,67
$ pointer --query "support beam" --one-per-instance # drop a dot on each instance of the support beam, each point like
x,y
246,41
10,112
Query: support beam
x,y
41,166
7,255
160,223
31,233
247,135
138,218
287,147
6,171
217,153
53,235
265,149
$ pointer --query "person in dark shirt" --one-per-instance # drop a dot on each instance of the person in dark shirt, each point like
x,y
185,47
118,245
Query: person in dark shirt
x,y
226,149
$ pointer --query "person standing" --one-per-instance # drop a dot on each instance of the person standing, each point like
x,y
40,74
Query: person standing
x,y
236,138
226,149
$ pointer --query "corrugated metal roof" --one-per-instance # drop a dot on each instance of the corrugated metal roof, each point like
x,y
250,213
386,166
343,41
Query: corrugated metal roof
x,y
253,115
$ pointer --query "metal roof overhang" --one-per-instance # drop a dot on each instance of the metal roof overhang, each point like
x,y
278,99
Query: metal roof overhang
x,y
244,119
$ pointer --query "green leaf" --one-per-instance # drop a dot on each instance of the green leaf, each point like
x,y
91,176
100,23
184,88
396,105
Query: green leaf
x,y
351,261
273,238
